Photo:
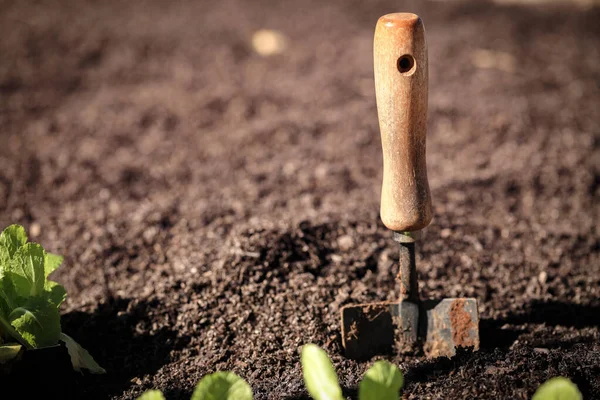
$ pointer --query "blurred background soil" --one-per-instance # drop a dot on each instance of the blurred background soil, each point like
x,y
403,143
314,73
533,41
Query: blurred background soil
x,y
211,172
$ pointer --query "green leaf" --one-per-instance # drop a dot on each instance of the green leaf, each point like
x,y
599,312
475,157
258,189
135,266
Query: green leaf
x,y
319,376
80,358
37,321
557,388
29,303
56,293
7,294
51,263
382,381
7,329
26,270
152,395
222,386
11,239
9,351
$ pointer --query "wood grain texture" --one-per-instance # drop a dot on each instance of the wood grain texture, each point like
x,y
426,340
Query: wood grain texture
x,y
400,56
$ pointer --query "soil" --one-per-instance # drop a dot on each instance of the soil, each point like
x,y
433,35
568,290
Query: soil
x,y
216,208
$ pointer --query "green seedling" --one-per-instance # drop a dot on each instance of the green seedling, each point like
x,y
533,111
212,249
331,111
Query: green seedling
x,y
221,385
30,302
557,388
152,395
382,381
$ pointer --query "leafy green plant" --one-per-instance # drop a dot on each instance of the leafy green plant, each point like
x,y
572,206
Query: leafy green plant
x,y
557,388
221,385
30,302
382,381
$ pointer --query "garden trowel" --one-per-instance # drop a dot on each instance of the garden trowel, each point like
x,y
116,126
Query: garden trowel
x,y
440,326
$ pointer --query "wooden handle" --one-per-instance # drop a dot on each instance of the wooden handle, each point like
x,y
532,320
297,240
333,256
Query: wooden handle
x,y
400,55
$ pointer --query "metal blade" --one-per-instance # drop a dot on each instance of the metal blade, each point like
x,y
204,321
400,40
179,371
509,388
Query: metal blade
x,y
379,328
450,323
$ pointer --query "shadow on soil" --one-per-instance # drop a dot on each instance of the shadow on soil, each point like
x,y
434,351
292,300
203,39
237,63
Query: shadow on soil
x,y
498,335
115,335
502,333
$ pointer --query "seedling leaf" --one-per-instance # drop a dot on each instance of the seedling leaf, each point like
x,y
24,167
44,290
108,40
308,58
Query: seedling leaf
x,y
382,381
56,293
51,263
319,376
7,328
152,395
557,388
26,270
9,351
37,321
222,386
7,294
11,239
80,358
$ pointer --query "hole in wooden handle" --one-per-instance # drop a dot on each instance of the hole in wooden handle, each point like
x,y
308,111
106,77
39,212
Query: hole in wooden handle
x,y
406,65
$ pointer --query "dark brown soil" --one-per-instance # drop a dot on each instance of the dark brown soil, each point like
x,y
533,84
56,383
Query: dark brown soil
x,y
216,207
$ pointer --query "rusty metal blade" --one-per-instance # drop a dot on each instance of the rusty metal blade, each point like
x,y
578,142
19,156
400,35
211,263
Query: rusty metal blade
x,y
450,323
379,328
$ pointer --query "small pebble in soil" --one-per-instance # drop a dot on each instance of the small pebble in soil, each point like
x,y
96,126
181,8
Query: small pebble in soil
x,y
345,242
35,230
267,42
